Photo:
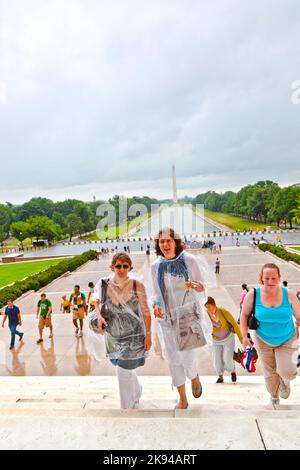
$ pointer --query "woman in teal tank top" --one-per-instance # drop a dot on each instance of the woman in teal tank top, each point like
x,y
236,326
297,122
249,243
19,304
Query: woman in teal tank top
x,y
275,337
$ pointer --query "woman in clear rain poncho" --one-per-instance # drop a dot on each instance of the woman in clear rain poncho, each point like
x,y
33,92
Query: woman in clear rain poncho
x,y
179,296
122,313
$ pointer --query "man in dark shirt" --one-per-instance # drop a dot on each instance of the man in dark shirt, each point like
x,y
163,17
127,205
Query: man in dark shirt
x,y
14,319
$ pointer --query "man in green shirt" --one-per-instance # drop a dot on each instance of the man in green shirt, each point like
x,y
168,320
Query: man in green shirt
x,y
43,313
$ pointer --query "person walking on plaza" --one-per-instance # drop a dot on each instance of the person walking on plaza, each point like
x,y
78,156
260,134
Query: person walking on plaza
x,y
178,287
43,313
79,309
218,262
12,312
243,294
275,338
91,287
65,304
224,329
123,313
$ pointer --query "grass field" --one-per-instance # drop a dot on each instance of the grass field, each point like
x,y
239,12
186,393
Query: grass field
x,y
235,223
15,242
16,271
295,248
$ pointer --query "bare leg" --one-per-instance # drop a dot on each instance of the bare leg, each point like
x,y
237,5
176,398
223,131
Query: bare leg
x,y
41,332
183,403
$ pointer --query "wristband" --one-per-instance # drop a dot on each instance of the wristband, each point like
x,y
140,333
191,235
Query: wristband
x,y
148,333
156,303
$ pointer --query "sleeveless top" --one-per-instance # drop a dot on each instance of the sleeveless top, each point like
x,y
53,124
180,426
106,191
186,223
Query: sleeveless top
x,y
125,333
276,324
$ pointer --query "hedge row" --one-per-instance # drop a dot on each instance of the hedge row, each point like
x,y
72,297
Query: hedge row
x,y
280,252
39,280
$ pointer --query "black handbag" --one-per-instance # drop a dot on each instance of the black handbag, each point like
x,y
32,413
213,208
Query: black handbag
x,y
253,323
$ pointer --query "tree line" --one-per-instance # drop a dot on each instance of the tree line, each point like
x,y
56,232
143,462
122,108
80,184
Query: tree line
x,y
41,218
263,201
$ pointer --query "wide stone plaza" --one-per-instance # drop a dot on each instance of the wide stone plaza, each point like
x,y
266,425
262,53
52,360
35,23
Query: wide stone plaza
x,y
58,388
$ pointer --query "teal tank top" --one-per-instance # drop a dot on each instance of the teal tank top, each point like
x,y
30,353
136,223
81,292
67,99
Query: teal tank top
x,y
276,324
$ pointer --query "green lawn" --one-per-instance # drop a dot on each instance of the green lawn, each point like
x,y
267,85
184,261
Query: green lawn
x,y
15,242
16,271
235,223
295,248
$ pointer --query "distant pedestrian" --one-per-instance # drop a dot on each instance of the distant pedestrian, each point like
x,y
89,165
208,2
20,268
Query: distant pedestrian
x,y
220,248
91,287
65,304
218,262
142,249
79,309
128,249
12,312
43,313
238,242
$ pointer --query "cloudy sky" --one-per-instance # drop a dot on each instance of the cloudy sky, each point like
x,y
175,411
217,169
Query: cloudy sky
x,y
101,97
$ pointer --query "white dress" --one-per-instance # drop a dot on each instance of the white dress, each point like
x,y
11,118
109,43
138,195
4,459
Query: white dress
x,y
168,279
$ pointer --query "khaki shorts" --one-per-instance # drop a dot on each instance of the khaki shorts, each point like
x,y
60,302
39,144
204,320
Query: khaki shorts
x,y
78,314
45,323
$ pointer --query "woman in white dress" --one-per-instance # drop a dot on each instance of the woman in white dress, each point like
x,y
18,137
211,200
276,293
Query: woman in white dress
x,y
179,293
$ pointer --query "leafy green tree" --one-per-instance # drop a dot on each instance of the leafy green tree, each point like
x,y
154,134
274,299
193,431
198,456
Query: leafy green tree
x,y
85,214
20,230
4,219
37,206
43,227
74,225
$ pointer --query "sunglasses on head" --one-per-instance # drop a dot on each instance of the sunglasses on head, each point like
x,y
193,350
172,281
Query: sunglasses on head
x,y
119,266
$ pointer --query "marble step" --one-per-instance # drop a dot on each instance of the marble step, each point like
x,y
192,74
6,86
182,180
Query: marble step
x,y
166,433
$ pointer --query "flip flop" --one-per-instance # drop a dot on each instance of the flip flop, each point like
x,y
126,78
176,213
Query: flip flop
x,y
197,390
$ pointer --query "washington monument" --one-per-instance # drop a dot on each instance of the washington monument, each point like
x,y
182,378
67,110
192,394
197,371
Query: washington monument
x,y
174,185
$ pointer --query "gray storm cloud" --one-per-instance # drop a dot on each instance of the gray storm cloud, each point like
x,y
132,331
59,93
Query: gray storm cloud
x,y
102,97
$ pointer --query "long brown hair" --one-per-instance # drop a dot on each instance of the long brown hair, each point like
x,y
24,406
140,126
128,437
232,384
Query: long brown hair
x,y
179,245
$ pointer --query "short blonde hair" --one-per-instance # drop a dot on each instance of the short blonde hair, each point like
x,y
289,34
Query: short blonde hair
x,y
121,256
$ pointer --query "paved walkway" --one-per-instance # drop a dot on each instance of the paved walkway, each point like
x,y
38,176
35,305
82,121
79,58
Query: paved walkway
x,y
52,411
67,355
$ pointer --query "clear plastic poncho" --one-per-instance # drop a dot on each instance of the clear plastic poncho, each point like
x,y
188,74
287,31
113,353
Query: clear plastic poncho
x,y
123,308
183,309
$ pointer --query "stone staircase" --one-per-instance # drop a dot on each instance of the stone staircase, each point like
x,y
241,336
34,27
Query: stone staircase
x,y
83,413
